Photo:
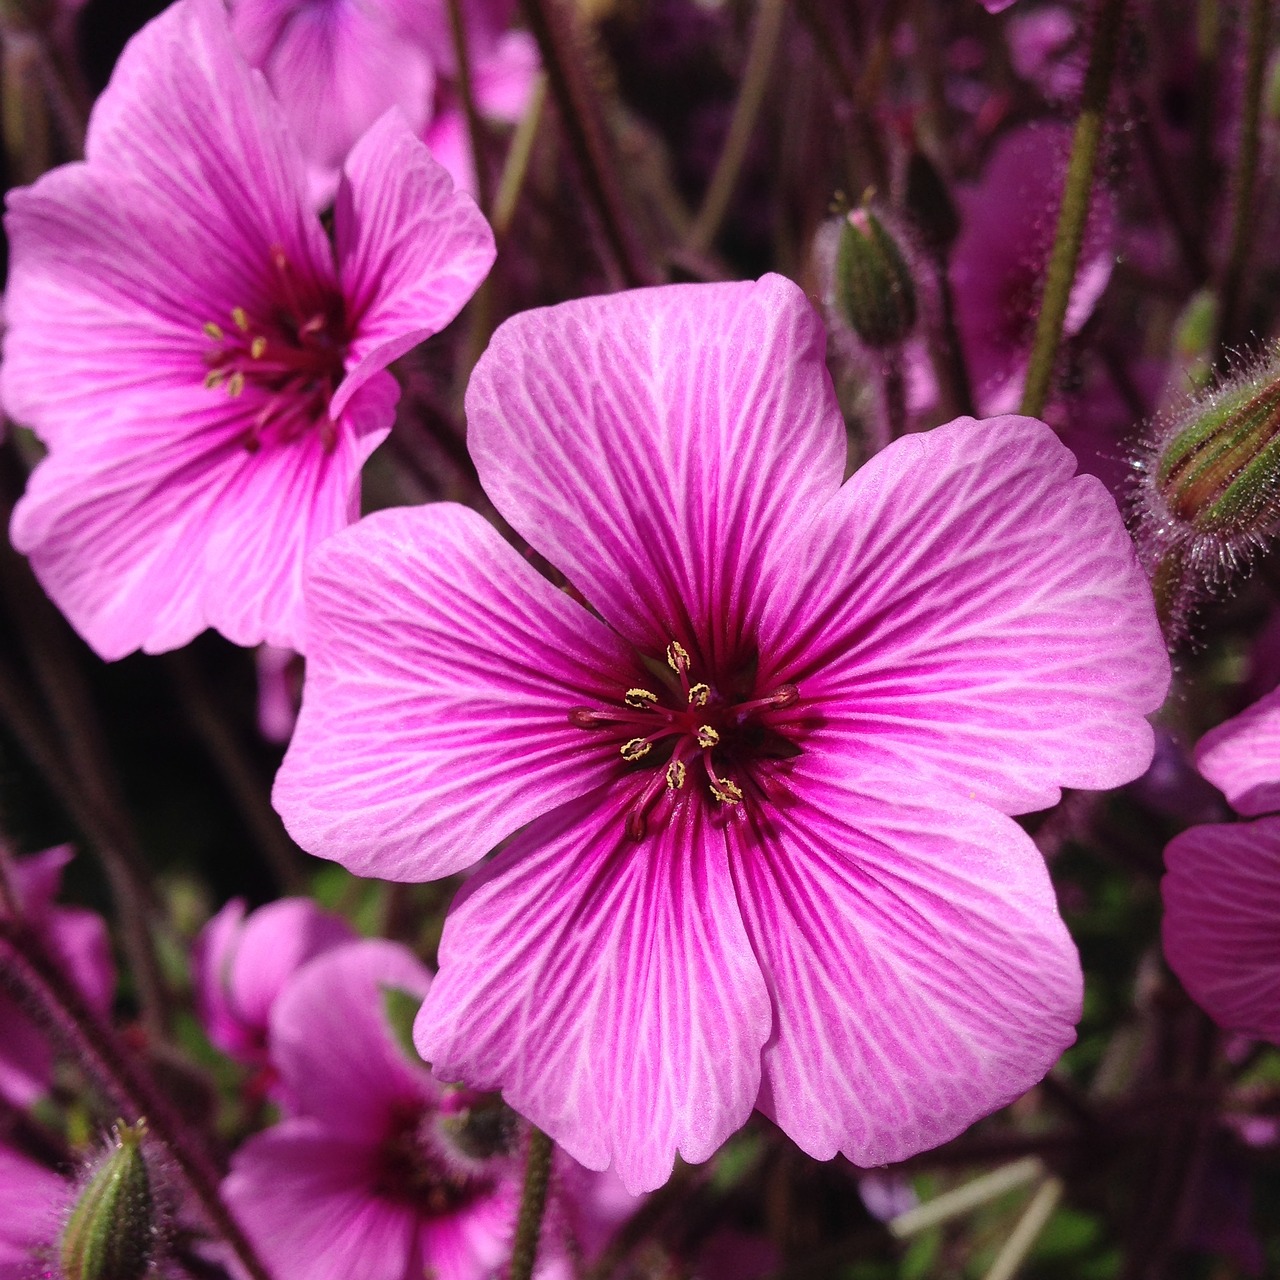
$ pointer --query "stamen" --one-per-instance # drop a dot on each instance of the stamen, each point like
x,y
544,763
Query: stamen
x,y
213,331
213,378
258,347
585,718
698,694
678,657
707,737
676,774
235,384
241,318
640,698
785,695
725,789
636,749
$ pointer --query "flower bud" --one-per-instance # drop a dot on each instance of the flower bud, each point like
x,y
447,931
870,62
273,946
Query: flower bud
x,y
874,290
111,1234
1219,472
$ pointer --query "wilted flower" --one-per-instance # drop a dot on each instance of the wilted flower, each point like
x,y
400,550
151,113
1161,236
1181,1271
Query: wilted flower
x,y
756,854
219,366
365,1176
240,965
77,941
1222,888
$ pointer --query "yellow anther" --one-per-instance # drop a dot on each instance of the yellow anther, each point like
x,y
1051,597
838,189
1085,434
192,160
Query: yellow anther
x,y
706,736
640,698
213,379
677,657
213,331
235,384
636,749
258,347
698,694
241,317
726,791
676,773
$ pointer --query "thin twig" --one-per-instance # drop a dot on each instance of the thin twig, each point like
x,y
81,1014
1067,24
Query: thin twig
x,y
1023,1237
751,92
533,1204
1074,210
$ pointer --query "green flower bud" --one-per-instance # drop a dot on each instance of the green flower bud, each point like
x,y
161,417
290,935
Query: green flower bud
x,y
929,205
111,1234
1219,472
874,290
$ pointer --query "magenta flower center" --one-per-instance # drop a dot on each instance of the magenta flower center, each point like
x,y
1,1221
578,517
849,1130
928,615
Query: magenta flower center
x,y
410,1170
693,734
291,352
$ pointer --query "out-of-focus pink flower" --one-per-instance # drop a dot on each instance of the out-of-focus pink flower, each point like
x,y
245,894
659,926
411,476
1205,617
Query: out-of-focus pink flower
x,y
362,1177
34,1202
240,964
221,368
754,798
77,940
1222,885
996,6
997,264
337,66
1041,43
279,691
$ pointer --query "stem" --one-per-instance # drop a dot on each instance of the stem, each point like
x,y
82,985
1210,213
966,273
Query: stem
x,y
466,91
1075,207
247,788
553,25
46,993
516,167
1024,1236
895,393
967,1198
755,81
533,1203
951,358
1245,213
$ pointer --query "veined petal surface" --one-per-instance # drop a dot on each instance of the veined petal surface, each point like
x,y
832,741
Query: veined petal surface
x,y
920,974
441,671
607,987
652,444
1222,922
411,250
971,613
1242,757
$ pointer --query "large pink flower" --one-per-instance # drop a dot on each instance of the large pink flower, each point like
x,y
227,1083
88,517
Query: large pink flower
x,y
77,941
207,370
1222,888
364,1177
753,797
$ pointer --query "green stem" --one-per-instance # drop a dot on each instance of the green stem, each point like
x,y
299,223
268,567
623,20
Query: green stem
x,y
1244,215
533,1203
466,91
1075,207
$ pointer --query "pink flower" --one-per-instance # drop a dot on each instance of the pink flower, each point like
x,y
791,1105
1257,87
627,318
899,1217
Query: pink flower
x,y
337,65
1222,887
77,940
34,1202
753,797
239,967
363,1178
218,367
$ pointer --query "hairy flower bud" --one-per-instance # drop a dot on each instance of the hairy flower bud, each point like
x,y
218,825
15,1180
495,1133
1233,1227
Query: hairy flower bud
x,y
874,290
1209,487
111,1234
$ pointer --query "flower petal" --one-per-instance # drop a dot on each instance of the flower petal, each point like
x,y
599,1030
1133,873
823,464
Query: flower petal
x,y
606,987
920,973
679,428
435,714
338,1057
1222,902
970,613
305,1197
411,249
1242,757
145,536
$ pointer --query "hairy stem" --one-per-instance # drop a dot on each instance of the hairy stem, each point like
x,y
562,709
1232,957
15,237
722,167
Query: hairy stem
x,y
1074,209
533,1203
